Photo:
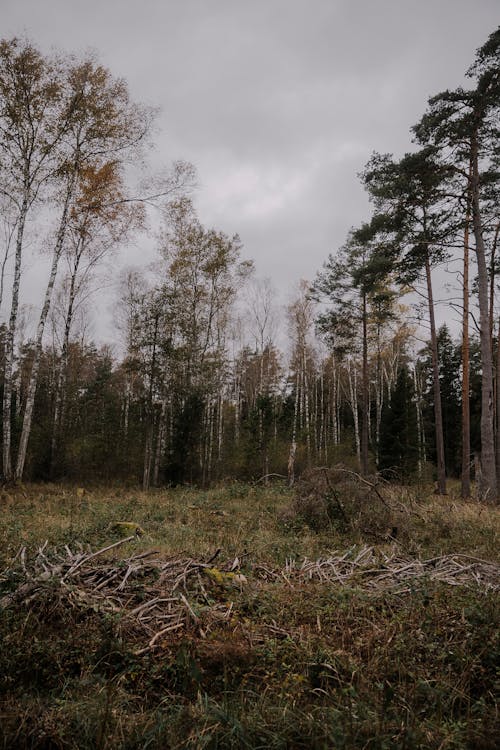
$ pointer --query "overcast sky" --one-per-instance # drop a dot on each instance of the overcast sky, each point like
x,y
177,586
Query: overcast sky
x,y
278,103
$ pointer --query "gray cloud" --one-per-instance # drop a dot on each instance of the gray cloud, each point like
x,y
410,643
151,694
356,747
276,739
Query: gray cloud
x,y
278,103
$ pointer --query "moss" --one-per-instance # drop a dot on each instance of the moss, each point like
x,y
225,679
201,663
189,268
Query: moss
x,y
226,580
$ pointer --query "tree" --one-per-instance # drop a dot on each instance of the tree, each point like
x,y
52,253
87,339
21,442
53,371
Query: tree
x,y
399,450
354,285
463,125
177,333
98,221
300,315
101,122
32,125
449,361
261,316
147,336
412,197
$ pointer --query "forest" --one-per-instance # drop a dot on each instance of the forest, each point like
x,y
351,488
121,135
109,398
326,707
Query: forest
x,y
203,391
245,524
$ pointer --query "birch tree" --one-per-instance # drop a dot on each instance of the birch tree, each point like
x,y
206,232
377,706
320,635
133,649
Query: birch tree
x,y
261,321
31,128
300,314
352,286
100,122
187,314
99,220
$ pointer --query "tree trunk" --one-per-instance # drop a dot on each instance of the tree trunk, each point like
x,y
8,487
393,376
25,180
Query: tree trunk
x,y
5,259
334,405
293,444
59,398
220,426
126,410
210,441
9,344
497,368
438,414
305,391
321,426
148,446
498,404
465,488
33,380
419,421
488,488
160,442
353,394
365,396
379,404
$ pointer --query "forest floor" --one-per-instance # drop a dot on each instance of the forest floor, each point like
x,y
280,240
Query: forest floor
x,y
221,619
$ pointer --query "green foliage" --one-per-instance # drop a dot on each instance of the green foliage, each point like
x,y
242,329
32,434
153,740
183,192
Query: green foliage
x,y
449,361
359,271
399,449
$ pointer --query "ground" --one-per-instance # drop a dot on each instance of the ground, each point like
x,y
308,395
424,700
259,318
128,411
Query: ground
x,y
230,620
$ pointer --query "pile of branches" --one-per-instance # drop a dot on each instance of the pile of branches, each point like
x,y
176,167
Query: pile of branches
x,y
339,497
374,569
155,596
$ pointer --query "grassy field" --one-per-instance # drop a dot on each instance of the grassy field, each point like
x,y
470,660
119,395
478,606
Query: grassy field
x,y
295,662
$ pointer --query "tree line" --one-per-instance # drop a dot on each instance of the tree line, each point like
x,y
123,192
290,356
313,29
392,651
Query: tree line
x,y
203,392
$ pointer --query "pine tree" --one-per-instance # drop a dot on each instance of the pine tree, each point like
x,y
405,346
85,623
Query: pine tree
x,y
354,285
449,361
411,199
463,126
398,452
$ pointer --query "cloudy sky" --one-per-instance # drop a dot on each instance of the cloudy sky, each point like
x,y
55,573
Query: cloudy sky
x,y
278,103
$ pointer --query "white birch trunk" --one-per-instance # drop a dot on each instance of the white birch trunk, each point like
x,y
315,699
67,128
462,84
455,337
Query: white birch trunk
x,y
33,381
60,395
333,405
9,344
160,442
220,429
293,444
353,395
306,408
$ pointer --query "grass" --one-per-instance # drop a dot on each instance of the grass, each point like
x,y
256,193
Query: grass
x,y
313,666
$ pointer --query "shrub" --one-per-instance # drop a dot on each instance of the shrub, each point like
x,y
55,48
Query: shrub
x,y
339,498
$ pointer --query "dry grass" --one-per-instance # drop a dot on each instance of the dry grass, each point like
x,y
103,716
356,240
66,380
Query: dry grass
x,y
297,661
239,519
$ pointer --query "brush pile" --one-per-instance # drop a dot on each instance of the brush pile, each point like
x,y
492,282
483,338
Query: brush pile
x,y
371,568
342,499
157,598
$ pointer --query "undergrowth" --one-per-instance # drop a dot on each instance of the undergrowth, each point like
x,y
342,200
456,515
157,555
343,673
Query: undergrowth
x,y
308,666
